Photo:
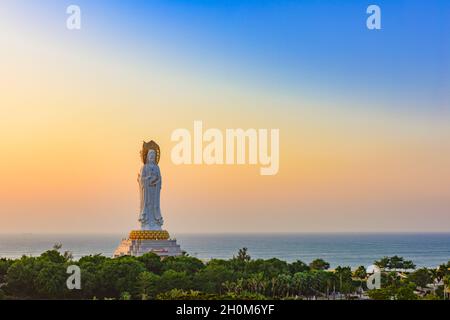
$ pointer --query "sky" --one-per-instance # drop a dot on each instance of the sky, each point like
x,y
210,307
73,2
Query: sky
x,y
364,115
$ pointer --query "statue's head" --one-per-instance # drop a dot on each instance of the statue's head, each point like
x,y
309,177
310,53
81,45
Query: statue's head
x,y
151,156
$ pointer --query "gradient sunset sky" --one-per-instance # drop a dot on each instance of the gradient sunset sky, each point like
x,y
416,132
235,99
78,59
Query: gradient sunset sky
x,y
364,116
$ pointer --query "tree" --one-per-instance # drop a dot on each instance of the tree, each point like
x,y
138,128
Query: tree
x,y
430,296
323,281
20,277
406,292
212,277
361,274
303,284
298,266
238,263
50,281
394,262
344,276
421,277
442,271
172,279
380,294
4,266
177,294
243,255
91,273
152,262
269,268
408,264
383,263
446,281
53,256
390,279
147,284
244,295
125,296
319,264
120,275
282,286
391,292
183,264
38,277
185,277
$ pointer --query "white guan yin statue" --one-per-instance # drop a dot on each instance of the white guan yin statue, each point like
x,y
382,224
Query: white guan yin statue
x,y
150,189
150,237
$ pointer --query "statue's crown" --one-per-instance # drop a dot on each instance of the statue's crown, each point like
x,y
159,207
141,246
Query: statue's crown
x,y
146,147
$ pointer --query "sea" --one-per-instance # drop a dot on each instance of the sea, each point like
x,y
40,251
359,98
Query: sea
x,y
339,249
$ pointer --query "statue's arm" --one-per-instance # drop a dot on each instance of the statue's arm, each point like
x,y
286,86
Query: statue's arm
x,y
156,179
142,176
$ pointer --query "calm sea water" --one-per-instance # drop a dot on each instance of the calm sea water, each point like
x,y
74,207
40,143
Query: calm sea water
x,y
338,249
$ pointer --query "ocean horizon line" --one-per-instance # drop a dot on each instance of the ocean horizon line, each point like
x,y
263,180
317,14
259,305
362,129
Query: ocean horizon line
x,y
241,233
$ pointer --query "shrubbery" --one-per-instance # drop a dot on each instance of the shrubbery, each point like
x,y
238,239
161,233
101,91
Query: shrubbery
x,y
185,277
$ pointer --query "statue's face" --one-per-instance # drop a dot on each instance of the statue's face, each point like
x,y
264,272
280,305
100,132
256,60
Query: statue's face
x,y
151,156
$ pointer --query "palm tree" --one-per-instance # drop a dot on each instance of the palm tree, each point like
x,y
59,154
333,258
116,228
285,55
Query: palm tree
x,y
345,280
361,274
256,283
446,285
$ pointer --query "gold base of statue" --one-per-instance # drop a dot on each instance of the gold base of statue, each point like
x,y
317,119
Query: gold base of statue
x,y
149,235
140,242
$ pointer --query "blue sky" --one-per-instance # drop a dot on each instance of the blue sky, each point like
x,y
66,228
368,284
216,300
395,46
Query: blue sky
x,y
315,47
287,44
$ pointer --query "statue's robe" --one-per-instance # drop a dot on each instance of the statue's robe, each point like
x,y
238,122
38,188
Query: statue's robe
x,y
150,211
